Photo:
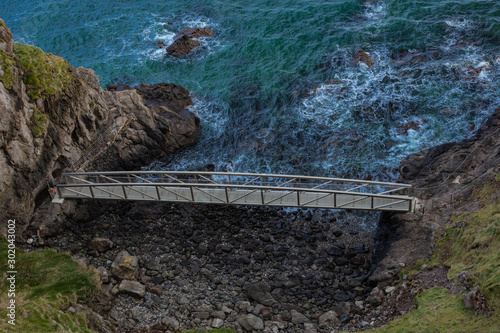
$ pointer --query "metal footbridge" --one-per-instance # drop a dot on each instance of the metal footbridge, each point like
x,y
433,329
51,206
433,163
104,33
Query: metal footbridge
x,y
236,189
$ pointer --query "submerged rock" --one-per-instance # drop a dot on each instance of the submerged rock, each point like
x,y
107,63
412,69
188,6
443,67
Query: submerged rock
x,y
362,56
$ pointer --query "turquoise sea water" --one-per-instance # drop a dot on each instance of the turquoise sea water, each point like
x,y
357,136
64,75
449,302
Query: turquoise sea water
x,y
276,87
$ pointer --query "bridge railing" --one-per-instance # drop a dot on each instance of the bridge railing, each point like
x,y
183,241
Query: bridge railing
x,y
238,188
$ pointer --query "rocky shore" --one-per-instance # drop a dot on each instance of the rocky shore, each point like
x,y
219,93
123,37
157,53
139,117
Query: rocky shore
x,y
188,266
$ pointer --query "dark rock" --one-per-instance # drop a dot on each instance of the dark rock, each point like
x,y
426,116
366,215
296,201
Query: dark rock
x,y
335,251
101,244
184,42
403,128
341,297
344,318
260,292
341,261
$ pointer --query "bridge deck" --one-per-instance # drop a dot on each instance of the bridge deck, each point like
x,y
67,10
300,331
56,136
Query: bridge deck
x,y
237,189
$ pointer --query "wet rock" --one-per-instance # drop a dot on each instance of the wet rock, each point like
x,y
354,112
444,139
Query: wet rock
x,y
195,32
403,129
328,318
251,322
362,56
260,292
125,266
183,45
184,42
133,288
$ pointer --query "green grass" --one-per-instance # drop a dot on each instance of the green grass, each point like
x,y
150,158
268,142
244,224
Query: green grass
x,y
472,243
7,62
219,330
38,122
46,283
43,74
438,312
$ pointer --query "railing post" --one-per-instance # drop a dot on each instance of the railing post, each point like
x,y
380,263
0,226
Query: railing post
x,y
261,195
91,191
372,199
227,194
298,198
192,192
158,192
124,192
334,199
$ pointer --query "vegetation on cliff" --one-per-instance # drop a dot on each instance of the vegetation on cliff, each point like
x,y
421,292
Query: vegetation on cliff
x,y
44,74
46,283
6,62
470,244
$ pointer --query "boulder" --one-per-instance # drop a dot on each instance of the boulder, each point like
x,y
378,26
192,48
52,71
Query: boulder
x,y
251,322
132,288
184,41
171,323
101,244
125,266
195,32
182,46
327,318
260,292
298,318
474,300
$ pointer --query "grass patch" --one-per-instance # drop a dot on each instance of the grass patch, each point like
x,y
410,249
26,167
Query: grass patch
x,y
38,122
472,243
7,62
437,312
43,74
218,330
46,282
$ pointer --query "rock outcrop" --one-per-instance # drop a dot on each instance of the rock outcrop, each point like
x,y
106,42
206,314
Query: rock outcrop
x,y
51,113
444,178
185,41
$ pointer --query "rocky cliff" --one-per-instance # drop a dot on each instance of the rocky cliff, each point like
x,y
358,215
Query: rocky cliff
x,y
444,177
51,115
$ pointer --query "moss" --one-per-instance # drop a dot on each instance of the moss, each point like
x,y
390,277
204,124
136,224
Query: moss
x,y
2,24
439,311
46,283
218,330
43,74
471,244
7,62
39,122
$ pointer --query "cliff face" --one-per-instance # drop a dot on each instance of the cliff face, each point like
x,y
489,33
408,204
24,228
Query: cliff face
x,y
444,178
51,113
